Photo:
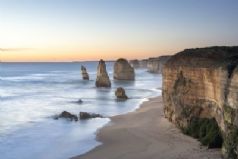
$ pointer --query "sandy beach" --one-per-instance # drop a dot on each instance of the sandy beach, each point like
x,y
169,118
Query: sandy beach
x,y
146,134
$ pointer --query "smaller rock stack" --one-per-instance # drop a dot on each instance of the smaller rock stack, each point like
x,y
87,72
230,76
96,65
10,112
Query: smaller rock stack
x,y
102,76
123,70
121,93
84,73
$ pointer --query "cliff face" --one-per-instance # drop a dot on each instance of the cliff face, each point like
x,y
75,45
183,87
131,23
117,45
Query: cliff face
x,y
203,83
155,65
139,63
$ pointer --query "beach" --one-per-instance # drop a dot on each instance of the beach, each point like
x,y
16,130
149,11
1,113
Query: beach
x,y
146,134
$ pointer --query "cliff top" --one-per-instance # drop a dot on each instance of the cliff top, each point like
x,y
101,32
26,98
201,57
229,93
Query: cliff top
x,y
205,57
163,57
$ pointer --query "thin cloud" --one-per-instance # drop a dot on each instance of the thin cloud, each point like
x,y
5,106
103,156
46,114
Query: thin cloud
x,y
14,49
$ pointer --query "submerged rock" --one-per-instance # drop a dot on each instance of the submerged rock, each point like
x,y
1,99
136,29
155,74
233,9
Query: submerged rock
x,y
80,101
67,115
120,93
84,73
123,70
102,76
86,115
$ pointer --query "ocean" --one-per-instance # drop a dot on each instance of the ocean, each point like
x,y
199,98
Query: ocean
x,y
32,93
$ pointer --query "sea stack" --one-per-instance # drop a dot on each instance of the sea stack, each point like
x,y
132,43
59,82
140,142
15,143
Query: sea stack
x,y
121,93
123,70
200,95
102,76
84,73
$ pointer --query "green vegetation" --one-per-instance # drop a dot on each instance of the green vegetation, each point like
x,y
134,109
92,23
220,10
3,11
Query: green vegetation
x,y
206,131
231,142
229,114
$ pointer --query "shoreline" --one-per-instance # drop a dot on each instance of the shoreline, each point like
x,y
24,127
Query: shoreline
x,y
145,133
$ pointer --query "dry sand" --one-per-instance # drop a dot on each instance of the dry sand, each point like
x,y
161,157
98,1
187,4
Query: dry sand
x,y
146,134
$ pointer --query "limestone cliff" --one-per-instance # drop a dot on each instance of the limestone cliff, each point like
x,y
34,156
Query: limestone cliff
x,y
102,76
139,63
203,83
155,65
123,70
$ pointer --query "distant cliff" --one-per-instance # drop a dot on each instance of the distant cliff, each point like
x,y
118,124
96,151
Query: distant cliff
x,y
200,85
153,65
139,63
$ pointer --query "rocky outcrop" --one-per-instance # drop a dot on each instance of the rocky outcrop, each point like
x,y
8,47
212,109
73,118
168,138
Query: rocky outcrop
x,y
102,76
86,115
155,65
67,115
80,101
200,85
84,73
120,93
123,70
73,117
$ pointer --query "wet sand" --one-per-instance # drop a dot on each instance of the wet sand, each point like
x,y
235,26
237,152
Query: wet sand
x,y
146,134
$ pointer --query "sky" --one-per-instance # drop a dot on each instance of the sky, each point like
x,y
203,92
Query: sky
x,y
76,30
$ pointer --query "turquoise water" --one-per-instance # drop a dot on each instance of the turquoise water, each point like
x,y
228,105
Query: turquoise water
x,y
31,93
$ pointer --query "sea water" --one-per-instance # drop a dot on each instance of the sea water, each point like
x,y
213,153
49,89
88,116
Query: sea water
x,y
31,93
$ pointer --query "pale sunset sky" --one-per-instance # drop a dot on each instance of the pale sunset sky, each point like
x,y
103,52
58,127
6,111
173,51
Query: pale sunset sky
x,y
72,30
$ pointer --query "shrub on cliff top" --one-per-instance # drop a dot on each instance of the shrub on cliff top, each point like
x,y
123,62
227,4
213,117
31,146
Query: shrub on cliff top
x,y
206,131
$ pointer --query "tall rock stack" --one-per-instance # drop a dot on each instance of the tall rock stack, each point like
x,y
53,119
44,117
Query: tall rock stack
x,y
84,73
123,70
201,85
102,76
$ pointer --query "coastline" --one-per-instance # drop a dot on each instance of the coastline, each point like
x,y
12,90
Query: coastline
x,y
145,133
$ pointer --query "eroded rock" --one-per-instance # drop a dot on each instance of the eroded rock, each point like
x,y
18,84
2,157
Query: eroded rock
x,y
102,76
86,115
67,115
120,93
123,70
84,73
80,101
